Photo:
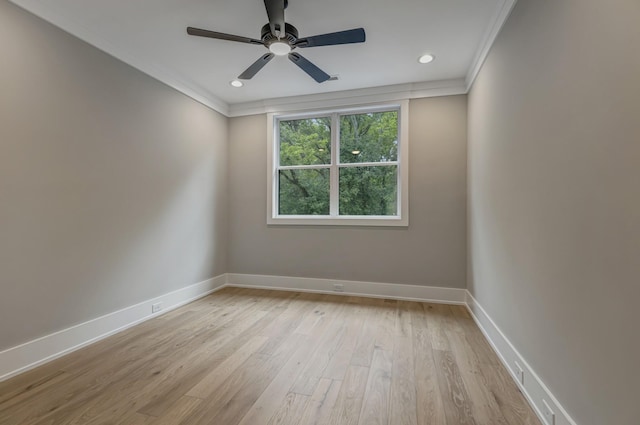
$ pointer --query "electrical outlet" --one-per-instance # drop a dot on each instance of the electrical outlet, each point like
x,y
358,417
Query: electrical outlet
x,y
156,307
519,372
548,414
338,287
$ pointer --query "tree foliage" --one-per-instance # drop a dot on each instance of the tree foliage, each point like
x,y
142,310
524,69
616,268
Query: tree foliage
x,y
363,190
373,136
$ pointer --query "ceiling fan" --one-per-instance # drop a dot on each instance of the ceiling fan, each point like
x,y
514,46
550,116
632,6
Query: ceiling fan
x,y
282,38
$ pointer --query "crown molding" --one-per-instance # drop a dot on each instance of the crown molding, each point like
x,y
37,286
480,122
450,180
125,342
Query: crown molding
x,y
350,97
501,15
47,12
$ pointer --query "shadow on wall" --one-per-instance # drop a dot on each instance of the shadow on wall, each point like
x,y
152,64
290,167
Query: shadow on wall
x,y
112,185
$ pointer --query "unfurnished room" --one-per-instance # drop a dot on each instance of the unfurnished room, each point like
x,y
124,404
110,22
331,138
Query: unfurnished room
x,y
336,212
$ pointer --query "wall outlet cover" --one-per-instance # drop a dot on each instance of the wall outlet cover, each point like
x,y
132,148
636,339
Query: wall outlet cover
x,y
519,372
338,287
547,412
156,307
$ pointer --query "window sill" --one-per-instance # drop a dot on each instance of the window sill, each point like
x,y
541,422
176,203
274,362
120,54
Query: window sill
x,y
373,221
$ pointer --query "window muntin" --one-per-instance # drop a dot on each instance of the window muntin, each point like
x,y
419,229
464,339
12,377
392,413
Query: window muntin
x,y
339,167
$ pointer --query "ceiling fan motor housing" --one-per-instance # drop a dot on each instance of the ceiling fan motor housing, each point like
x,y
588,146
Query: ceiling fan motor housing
x,y
282,43
290,36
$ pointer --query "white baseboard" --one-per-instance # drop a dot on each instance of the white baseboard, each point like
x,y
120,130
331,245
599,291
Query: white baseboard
x,y
26,356
29,355
533,388
350,287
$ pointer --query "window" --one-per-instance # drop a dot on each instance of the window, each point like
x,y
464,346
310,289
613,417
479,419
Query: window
x,y
343,167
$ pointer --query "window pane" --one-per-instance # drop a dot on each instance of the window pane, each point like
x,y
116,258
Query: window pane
x,y
368,190
371,137
304,192
305,142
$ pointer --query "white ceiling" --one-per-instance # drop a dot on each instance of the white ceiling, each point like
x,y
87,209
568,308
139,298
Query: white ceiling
x,y
151,35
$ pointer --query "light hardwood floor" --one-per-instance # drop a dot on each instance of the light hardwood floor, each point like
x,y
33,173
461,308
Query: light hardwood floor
x,y
255,357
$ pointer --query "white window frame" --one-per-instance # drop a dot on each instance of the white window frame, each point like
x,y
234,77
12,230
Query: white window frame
x,y
334,219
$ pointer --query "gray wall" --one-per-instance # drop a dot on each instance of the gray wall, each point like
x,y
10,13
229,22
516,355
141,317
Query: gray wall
x,y
112,185
554,205
432,251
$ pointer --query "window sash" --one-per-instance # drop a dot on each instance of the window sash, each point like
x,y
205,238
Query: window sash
x,y
344,165
334,218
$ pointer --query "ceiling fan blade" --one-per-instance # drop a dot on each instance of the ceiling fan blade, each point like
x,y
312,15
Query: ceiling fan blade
x,y
313,71
221,36
356,35
275,12
255,67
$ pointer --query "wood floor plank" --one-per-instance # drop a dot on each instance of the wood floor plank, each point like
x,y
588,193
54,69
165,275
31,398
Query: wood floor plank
x,y
183,407
122,397
261,357
460,311
403,320
210,382
310,320
278,389
186,366
484,406
120,347
512,404
385,331
348,405
87,397
173,369
435,315
430,408
155,335
366,343
403,405
71,399
330,341
476,339
290,411
320,406
217,349
286,322
24,391
20,406
457,407
337,366
140,419
375,406
241,390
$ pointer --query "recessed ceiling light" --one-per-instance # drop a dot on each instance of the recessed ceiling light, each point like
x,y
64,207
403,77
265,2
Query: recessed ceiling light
x,y
355,152
426,58
236,83
279,48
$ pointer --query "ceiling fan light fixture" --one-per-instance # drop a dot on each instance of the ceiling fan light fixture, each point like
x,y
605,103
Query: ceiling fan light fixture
x,y
279,48
236,83
426,58
280,38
